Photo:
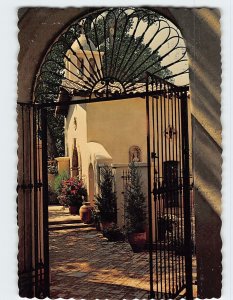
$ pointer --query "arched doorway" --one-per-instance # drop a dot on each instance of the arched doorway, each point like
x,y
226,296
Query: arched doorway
x,y
94,65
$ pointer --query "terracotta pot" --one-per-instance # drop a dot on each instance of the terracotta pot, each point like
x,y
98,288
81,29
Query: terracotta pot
x,y
85,212
74,210
137,241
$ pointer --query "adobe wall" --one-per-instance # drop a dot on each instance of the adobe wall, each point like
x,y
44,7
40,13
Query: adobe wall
x,y
201,30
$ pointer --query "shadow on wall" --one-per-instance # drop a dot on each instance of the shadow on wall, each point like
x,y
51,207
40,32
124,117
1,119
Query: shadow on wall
x,y
205,77
207,187
207,161
212,268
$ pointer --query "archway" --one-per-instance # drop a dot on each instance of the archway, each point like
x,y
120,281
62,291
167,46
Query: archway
x,y
98,80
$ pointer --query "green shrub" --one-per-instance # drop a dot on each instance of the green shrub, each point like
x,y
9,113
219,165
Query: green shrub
x,y
106,200
113,233
58,182
135,202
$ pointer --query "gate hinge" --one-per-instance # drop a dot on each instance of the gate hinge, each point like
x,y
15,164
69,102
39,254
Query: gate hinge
x,y
153,155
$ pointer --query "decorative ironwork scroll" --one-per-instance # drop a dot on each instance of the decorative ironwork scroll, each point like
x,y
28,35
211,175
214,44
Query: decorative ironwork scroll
x,y
108,52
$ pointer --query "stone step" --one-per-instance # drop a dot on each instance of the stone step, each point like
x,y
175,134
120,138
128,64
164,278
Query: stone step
x,y
65,221
62,226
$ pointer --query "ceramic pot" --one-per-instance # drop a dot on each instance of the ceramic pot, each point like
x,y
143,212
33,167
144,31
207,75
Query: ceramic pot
x,y
137,241
85,212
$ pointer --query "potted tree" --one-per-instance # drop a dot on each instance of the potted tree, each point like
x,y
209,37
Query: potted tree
x,y
73,193
135,210
106,200
113,233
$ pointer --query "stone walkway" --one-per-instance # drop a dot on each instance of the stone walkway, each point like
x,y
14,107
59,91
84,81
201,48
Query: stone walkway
x,y
84,265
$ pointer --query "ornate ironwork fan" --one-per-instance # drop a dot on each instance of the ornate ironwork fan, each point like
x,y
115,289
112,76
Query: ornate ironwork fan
x,y
107,53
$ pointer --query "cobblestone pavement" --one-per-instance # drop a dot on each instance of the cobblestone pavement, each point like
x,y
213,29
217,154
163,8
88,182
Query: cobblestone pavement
x,y
84,265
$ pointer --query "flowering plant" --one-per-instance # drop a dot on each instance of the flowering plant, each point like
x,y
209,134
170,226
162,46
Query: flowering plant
x,y
73,192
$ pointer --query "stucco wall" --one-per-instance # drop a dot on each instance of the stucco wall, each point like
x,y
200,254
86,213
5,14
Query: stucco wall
x,y
117,125
201,30
80,134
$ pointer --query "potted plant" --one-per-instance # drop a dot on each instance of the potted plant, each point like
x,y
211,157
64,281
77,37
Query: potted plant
x,y
166,224
178,245
106,200
113,233
73,193
135,210
57,185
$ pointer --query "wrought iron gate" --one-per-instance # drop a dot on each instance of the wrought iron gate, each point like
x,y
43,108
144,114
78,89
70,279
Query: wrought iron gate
x,y
168,189
33,255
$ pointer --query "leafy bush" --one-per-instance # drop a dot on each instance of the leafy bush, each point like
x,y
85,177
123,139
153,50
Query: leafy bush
x,y
167,221
58,182
178,245
52,167
52,195
113,233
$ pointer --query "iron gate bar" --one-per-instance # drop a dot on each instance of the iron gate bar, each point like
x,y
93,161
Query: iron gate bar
x,y
34,139
45,201
159,185
152,293
186,199
181,182
104,99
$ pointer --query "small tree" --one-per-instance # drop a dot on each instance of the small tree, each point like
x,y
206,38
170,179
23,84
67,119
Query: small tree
x,y
135,208
106,200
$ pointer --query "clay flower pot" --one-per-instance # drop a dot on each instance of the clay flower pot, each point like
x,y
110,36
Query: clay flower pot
x,y
85,213
137,241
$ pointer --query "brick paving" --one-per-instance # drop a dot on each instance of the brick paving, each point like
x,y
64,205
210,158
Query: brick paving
x,y
84,265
